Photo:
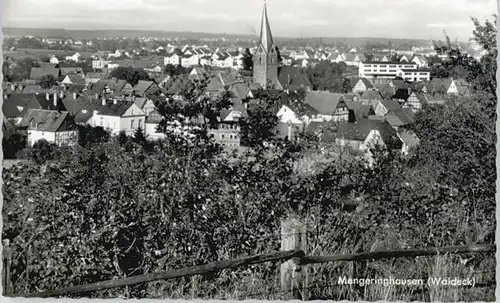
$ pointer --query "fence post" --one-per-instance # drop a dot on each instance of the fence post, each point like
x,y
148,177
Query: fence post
x,y
293,274
6,260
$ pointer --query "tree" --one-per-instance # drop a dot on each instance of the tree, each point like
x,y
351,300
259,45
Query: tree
x,y
327,76
176,70
247,60
139,137
89,135
48,81
260,125
13,141
41,152
133,76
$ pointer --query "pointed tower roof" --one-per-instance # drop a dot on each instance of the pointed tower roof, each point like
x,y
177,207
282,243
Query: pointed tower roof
x,y
266,38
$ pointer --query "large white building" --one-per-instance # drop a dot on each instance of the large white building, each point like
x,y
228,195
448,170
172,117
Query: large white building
x,y
390,70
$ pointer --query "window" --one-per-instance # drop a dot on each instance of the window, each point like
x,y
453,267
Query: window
x,y
132,124
140,123
222,136
33,124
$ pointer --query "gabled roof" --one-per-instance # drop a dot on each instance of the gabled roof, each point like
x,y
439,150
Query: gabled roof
x,y
116,110
400,117
142,86
409,138
46,120
68,70
324,102
240,90
359,131
76,78
365,81
292,77
96,75
292,101
390,104
371,95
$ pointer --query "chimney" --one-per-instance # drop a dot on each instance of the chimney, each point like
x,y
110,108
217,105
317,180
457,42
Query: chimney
x,y
114,101
13,87
61,94
47,96
96,96
74,95
103,101
55,100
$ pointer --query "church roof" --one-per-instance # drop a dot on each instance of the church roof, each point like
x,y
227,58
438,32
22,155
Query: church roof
x,y
266,38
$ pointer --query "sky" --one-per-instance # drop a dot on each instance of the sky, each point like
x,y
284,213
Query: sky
x,y
419,19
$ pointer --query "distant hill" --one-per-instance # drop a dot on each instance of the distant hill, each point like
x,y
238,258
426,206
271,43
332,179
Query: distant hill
x,y
64,33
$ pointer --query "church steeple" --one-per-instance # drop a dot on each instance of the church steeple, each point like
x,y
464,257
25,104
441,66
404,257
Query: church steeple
x,y
265,60
266,38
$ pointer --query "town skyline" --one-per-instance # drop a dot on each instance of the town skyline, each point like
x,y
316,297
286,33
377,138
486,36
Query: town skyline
x,y
317,18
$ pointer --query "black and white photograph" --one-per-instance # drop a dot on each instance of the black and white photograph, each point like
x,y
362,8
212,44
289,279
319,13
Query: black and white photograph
x,y
249,150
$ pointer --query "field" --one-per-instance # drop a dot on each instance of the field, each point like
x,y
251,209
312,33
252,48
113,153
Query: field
x,y
41,53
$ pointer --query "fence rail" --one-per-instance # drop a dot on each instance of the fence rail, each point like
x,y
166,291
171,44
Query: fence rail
x,y
379,255
293,268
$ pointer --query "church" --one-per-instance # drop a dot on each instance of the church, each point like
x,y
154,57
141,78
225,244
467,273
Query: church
x,y
267,71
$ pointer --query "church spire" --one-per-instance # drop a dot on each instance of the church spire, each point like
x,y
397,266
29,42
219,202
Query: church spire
x,y
266,39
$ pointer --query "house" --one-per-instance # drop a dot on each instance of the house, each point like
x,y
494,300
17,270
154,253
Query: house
x,y
360,85
421,61
330,106
147,105
227,134
294,115
415,101
74,79
143,88
198,73
366,134
292,78
93,77
118,116
189,60
370,96
286,60
385,106
409,141
70,70
54,126
120,53
54,60
162,80
151,131
110,87
400,117
205,60
17,104
352,59
386,91
404,58
99,63
443,86
75,57
38,72
359,111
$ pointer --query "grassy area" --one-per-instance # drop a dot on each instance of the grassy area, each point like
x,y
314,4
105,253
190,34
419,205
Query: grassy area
x,y
40,53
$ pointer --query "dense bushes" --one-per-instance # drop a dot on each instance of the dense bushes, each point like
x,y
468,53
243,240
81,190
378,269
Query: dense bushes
x,y
111,210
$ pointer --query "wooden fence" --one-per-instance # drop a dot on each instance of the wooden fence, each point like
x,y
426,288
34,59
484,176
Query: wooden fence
x,y
292,256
